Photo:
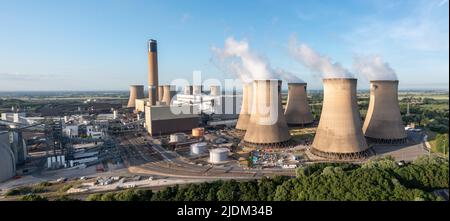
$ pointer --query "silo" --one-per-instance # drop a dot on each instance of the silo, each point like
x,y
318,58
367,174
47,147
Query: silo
x,y
136,92
383,123
169,92
197,89
339,135
160,92
298,112
218,155
244,115
267,126
214,90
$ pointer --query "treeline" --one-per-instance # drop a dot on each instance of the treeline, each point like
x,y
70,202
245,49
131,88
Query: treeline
x,y
376,180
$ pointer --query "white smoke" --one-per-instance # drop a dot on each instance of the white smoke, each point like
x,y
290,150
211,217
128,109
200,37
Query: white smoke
x,y
238,58
316,62
373,68
288,76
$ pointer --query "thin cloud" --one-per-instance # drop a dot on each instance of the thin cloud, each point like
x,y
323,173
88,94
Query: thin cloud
x,y
421,31
24,77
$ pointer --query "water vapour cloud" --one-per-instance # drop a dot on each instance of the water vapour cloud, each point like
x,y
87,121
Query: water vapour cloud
x,y
373,68
238,58
317,63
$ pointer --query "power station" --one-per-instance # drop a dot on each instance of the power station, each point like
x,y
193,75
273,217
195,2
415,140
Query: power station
x,y
267,126
383,123
339,135
298,112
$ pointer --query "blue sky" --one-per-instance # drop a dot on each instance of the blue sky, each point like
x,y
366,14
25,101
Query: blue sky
x,y
101,45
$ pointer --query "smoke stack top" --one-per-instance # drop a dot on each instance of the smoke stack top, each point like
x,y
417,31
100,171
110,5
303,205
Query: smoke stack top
x,y
317,63
374,68
152,45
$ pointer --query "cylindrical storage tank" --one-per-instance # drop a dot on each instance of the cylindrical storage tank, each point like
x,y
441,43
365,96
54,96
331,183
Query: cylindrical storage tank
x,y
339,135
188,90
214,90
198,132
198,148
136,92
298,112
160,92
244,115
115,114
218,155
383,123
267,127
197,89
169,92
177,137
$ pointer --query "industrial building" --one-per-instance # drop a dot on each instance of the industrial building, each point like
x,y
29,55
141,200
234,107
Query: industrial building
x,y
136,92
339,135
213,102
162,115
383,123
140,105
244,115
7,159
267,126
164,119
298,112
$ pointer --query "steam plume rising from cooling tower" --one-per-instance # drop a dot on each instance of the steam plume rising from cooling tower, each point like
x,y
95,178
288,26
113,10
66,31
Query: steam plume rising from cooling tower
x,y
288,76
316,62
238,58
373,68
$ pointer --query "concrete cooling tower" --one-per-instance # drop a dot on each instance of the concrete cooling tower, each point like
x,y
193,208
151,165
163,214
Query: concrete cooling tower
x,y
267,127
188,90
298,112
197,89
169,92
383,123
160,92
244,116
136,92
152,71
214,90
339,135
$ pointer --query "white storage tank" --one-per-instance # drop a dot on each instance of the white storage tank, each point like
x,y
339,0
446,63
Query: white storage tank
x,y
218,155
177,137
198,148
